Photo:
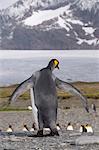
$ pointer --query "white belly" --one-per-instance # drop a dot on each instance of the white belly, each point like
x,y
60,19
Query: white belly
x,y
70,128
32,129
81,129
34,109
9,130
25,130
89,129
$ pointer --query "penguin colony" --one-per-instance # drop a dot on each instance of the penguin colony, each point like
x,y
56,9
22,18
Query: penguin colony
x,y
42,85
83,128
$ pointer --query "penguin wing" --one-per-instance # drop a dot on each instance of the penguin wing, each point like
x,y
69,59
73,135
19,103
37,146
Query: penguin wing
x,y
23,87
70,88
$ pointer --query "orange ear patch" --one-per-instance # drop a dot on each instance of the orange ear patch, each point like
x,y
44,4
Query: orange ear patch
x,y
56,62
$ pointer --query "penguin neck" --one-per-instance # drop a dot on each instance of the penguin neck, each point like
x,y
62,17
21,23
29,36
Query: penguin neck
x,y
50,68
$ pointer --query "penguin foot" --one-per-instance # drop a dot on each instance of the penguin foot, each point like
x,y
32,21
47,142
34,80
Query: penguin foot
x,y
54,132
40,133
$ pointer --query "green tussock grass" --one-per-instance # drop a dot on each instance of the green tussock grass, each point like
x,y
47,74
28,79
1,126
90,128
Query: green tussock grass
x,y
6,92
63,95
90,90
13,109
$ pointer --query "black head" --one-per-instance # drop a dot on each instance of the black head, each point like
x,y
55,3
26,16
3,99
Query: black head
x,y
54,63
33,125
10,126
25,125
69,123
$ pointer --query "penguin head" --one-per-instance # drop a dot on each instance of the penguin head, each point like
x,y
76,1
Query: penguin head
x,y
87,125
54,63
69,124
34,126
25,126
10,126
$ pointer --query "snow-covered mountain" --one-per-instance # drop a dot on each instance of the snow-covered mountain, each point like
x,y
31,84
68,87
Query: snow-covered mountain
x,y
24,8
87,4
50,24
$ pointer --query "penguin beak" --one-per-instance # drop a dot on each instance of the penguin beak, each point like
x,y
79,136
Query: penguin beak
x,y
57,66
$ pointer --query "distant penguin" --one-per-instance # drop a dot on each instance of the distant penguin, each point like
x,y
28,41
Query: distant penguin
x,y
82,129
29,107
43,85
70,127
33,127
25,128
9,129
93,107
58,126
89,128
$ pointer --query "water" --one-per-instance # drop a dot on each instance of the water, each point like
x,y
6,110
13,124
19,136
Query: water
x,y
73,67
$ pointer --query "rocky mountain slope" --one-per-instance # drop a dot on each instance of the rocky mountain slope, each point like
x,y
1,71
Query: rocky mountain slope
x,y
50,24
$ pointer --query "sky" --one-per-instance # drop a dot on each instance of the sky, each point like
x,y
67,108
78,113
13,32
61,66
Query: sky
x,y
6,3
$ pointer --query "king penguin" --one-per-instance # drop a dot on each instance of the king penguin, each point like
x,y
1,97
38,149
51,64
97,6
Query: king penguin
x,y
42,85
70,127
9,129
25,128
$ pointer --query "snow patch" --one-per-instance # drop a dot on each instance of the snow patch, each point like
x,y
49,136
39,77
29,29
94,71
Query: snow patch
x,y
16,12
45,15
89,30
89,42
75,34
87,4
67,34
75,21
62,23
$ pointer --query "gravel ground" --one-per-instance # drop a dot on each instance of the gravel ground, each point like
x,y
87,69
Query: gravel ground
x,y
45,143
77,116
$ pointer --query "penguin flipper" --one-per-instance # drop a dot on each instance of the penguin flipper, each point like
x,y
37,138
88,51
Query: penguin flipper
x,y
23,87
72,89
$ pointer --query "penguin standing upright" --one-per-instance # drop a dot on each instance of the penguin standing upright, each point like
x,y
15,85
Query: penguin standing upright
x,y
89,128
33,127
83,128
94,108
25,128
10,129
70,127
43,85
